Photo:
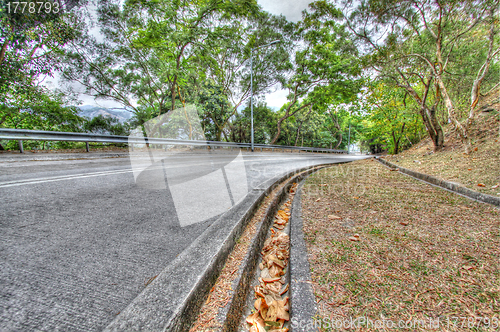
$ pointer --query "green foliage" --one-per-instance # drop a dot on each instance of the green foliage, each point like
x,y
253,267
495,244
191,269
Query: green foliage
x,y
152,50
156,56
264,124
213,108
443,54
44,111
326,69
29,43
105,125
393,123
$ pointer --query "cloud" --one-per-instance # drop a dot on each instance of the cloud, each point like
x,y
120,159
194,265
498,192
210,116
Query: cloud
x,y
291,9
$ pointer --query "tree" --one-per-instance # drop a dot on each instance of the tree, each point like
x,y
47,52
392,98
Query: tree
x,y
105,125
213,108
325,69
30,41
391,119
151,50
423,44
264,124
227,59
41,110
29,45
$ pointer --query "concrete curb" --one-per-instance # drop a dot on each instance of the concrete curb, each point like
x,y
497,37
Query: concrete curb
x,y
231,315
172,301
302,301
450,186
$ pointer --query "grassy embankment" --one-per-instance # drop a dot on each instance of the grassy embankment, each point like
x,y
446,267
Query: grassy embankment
x,y
386,247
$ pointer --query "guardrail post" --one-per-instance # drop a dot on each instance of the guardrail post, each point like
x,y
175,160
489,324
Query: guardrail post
x,y
132,146
20,143
87,146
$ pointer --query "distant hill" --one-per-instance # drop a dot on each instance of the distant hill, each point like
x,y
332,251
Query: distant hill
x,y
89,111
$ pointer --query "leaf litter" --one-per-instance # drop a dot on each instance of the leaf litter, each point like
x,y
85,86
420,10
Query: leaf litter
x,y
420,253
272,305
221,292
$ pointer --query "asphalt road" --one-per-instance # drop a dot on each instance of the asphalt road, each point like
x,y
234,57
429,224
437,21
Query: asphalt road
x,y
80,239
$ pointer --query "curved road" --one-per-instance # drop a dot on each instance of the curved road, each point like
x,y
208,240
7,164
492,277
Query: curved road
x,y
80,239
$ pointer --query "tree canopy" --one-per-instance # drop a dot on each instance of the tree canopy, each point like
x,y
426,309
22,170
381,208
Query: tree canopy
x,y
387,72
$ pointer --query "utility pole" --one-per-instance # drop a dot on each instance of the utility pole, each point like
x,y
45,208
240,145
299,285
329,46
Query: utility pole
x,y
349,139
251,85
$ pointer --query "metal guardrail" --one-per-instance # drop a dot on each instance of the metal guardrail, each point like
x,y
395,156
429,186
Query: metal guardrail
x,y
38,135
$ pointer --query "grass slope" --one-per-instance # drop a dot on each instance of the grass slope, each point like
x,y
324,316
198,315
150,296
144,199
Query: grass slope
x,y
481,167
387,248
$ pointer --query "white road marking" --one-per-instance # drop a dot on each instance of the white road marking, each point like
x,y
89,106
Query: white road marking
x,y
7,184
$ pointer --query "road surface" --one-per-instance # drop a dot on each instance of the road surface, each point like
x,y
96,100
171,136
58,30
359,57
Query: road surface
x,y
80,239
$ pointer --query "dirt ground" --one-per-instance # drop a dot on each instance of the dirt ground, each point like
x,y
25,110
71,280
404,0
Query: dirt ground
x,y
387,249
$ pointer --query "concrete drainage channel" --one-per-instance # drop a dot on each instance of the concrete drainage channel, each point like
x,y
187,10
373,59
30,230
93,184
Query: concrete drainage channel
x,y
234,290
173,300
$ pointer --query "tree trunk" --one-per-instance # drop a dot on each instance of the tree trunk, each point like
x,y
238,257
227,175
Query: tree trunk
x,y
397,140
300,127
287,115
275,138
462,129
433,127
428,114
4,49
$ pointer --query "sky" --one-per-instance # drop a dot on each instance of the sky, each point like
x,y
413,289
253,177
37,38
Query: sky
x,y
292,9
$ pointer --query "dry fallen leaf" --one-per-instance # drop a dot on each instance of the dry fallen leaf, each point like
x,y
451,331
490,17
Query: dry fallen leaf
x,y
282,312
276,261
468,267
284,289
333,217
352,238
265,273
252,317
272,312
481,185
404,223
261,305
